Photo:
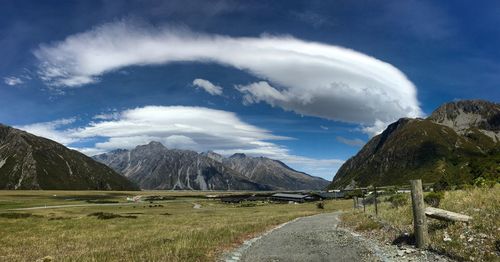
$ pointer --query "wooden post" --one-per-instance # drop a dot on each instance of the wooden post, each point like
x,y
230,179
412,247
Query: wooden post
x,y
355,199
419,220
364,205
376,204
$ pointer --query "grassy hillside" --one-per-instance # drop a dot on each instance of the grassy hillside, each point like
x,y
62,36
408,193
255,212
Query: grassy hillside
x,y
477,241
419,148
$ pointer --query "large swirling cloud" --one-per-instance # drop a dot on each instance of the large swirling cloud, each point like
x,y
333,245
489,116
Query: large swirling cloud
x,y
309,78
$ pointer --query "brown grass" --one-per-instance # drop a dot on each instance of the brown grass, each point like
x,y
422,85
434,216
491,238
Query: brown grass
x,y
185,234
475,241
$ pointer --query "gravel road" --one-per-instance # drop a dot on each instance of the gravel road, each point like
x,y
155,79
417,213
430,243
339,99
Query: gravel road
x,y
317,238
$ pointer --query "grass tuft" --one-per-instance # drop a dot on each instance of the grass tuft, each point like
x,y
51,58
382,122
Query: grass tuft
x,y
105,215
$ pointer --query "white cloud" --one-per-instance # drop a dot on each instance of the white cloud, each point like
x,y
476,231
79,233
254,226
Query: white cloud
x,y
351,142
309,78
324,127
53,130
12,81
208,86
106,116
194,128
261,91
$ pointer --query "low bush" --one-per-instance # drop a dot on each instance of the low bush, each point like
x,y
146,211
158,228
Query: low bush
x,y
433,198
368,225
398,200
101,201
17,215
320,205
105,215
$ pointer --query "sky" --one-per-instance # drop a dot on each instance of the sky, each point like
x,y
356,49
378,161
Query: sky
x,y
304,82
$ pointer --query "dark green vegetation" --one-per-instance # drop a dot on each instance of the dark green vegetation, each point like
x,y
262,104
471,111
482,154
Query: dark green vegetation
x,y
458,144
106,215
31,162
169,230
433,198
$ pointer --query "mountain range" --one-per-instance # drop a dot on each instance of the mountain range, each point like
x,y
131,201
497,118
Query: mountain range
x,y
153,166
457,143
31,162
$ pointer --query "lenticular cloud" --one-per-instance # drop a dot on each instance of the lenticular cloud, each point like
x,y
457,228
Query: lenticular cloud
x,y
308,78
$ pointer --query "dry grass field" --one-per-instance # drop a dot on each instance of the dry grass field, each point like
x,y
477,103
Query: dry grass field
x,y
168,230
477,241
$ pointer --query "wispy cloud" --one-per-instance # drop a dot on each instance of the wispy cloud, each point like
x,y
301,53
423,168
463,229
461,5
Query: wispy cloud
x,y
315,19
195,128
351,142
208,86
12,80
56,130
308,78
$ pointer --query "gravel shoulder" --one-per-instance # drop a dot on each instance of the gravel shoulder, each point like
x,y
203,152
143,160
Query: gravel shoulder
x,y
318,238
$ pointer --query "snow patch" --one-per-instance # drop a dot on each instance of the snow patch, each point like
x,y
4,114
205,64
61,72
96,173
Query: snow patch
x,y
2,162
201,181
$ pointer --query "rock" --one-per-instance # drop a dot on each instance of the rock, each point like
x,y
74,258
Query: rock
x,y
401,253
409,250
470,239
45,259
483,235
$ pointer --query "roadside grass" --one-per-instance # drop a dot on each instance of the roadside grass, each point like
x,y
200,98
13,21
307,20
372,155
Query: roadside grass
x,y
165,231
474,242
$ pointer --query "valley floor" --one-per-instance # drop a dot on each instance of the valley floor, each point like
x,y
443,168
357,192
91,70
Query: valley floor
x,y
111,229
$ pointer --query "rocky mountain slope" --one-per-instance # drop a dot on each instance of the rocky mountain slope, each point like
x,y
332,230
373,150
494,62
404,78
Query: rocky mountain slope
x,y
153,166
31,162
273,173
459,142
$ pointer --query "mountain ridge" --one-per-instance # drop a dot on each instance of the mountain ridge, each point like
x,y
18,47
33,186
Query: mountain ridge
x,y
189,176
456,140
32,162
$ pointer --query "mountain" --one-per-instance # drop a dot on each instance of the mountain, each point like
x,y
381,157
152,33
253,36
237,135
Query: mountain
x,y
153,166
273,173
31,162
457,143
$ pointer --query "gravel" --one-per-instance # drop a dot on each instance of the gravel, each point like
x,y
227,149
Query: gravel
x,y
318,238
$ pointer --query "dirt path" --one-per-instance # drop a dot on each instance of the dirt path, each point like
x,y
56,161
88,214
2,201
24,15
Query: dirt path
x,y
318,238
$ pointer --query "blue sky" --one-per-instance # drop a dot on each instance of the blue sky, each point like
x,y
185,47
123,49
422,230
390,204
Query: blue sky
x,y
306,82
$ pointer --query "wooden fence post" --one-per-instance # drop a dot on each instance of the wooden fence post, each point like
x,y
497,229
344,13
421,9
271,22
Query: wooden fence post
x,y
355,200
419,220
376,204
364,204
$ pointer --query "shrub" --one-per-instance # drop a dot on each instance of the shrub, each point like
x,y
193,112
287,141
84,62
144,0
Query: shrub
x,y
105,215
354,193
368,225
433,198
369,200
17,215
398,200
320,205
